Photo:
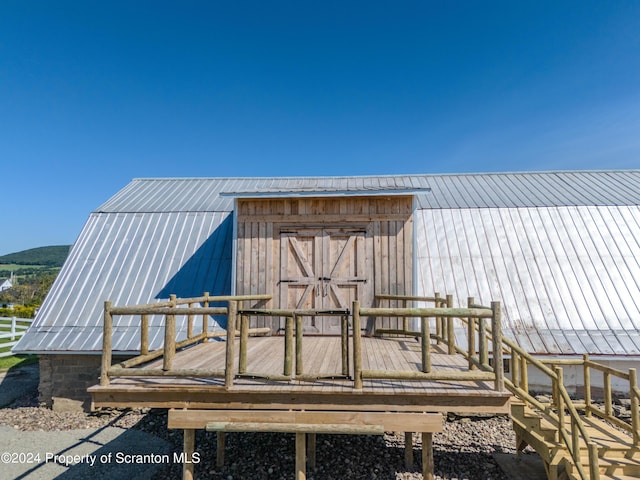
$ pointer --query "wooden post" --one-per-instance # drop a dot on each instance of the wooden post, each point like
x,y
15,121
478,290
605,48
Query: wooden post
x,y
144,334
244,339
169,338
301,454
608,407
344,339
635,415
405,320
427,456
482,342
231,335
311,450
587,385
524,375
220,441
408,449
288,346
451,338
189,448
594,468
496,340
357,345
575,438
559,398
439,332
190,323
515,367
425,340
471,335
299,365
107,331
205,318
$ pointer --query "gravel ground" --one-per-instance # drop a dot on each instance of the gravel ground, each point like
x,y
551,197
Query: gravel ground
x,y
462,451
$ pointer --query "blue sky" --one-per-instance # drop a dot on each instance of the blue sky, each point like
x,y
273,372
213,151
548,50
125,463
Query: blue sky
x,y
93,94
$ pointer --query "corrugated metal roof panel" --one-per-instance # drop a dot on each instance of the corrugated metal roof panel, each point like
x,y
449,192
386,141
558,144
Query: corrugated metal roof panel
x,y
567,277
489,190
131,259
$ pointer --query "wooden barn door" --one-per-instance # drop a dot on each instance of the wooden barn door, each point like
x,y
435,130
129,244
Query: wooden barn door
x,y
322,268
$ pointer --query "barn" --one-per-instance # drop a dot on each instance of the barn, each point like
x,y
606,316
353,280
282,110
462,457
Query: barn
x,y
560,251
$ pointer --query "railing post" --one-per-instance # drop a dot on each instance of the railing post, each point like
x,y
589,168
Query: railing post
x,y
106,345
439,332
13,328
288,346
515,367
608,407
357,345
244,338
594,468
451,338
496,340
205,318
405,320
299,366
425,340
190,323
232,310
635,414
144,334
587,384
524,375
344,343
169,337
471,335
483,352
559,398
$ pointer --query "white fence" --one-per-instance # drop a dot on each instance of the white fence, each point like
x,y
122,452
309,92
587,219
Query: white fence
x,y
11,330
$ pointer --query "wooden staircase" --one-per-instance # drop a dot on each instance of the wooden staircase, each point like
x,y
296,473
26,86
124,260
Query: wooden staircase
x,y
618,458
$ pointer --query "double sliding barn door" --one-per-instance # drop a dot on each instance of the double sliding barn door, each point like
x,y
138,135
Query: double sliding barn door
x,y
324,269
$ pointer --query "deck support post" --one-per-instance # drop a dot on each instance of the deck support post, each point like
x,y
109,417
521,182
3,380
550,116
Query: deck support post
x,y
231,336
357,346
301,454
496,341
311,450
106,345
288,346
220,441
427,456
451,338
408,449
189,448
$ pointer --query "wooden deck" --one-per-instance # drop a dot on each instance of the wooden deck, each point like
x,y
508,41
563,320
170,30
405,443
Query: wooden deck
x,y
322,359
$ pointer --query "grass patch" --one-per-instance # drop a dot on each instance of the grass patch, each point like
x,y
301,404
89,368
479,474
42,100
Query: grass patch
x,y
17,360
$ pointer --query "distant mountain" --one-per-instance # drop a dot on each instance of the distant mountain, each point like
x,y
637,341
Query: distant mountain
x,y
53,256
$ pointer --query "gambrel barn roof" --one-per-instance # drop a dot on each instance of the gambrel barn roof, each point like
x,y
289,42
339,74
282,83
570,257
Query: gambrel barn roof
x,y
560,250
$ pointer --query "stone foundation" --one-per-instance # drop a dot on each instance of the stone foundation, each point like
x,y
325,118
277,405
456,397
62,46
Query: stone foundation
x,y
64,380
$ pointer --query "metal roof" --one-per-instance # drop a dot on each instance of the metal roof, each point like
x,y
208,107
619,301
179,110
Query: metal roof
x,y
559,250
537,189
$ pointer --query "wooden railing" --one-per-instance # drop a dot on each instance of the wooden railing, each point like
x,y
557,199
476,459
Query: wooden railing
x,y
607,411
192,308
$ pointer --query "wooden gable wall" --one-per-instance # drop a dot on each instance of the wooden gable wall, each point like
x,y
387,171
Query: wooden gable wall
x,y
374,233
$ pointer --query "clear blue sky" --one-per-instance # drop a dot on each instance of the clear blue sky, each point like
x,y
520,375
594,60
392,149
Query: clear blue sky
x,y
93,94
